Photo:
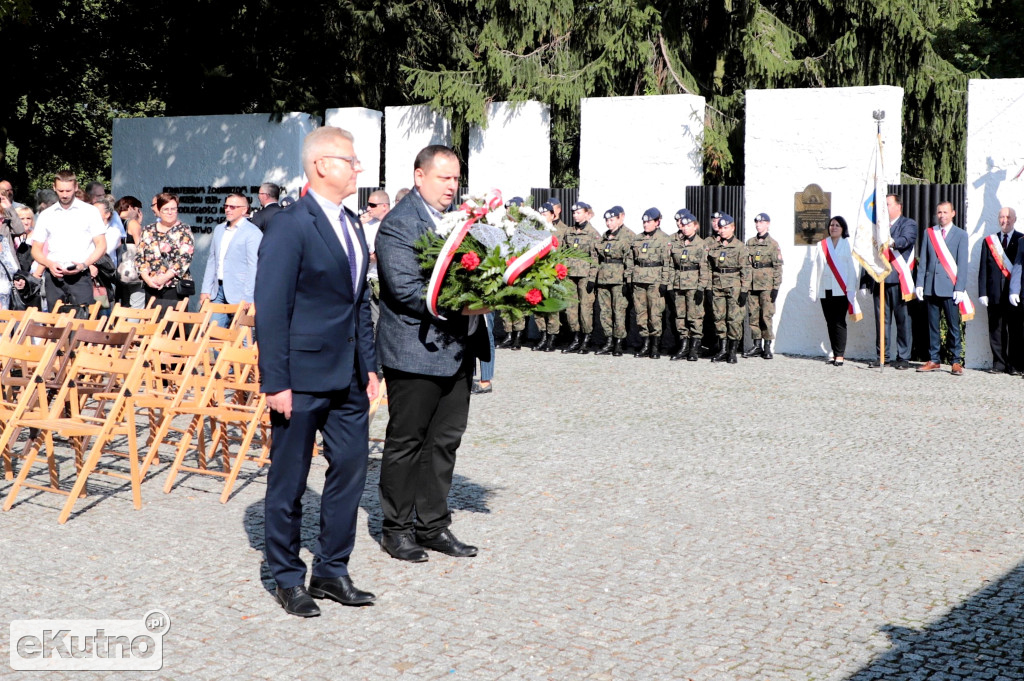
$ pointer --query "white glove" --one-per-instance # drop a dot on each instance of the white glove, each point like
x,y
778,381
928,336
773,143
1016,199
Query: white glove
x,y
983,300
1014,299
958,297
920,292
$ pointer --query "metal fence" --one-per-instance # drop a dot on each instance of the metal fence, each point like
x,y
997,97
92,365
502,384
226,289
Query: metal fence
x,y
920,201
704,201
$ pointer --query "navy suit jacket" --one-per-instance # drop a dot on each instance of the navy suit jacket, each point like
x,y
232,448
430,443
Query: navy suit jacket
x,y
313,328
262,217
931,276
409,338
904,236
991,281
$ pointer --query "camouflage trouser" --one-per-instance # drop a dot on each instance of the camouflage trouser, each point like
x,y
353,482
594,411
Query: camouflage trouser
x,y
689,315
728,314
650,307
509,327
760,310
581,312
612,305
547,322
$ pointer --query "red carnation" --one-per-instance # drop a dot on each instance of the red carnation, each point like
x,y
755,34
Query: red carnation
x,y
560,271
510,261
554,242
534,296
470,261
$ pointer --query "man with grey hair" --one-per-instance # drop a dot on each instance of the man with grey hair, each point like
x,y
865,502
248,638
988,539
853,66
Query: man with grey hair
x,y
318,369
268,196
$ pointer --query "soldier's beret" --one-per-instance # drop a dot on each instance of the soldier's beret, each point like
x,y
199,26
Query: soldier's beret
x,y
579,205
515,201
614,211
546,207
762,217
652,214
685,216
554,201
725,219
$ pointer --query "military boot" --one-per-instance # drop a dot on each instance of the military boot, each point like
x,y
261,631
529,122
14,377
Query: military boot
x,y
768,350
617,347
540,341
644,349
585,345
723,351
605,349
517,340
549,344
506,342
733,346
694,349
655,348
574,345
756,351
684,350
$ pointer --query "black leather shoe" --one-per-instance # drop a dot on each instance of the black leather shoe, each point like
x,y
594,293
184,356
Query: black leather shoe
x,y
617,347
694,350
447,544
574,345
297,601
340,589
517,340
605,349
478,389
403,547
643,349
1012,371
541,341
584,345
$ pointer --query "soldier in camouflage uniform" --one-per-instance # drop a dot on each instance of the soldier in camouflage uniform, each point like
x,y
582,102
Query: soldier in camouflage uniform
x,y
582,237
548,323
649,278
615,258
513,330
765,279
692,277
730,281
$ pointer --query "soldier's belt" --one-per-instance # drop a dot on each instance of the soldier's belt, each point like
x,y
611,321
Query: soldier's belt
x,y
687,268
612,261
728,270
761,265
649,263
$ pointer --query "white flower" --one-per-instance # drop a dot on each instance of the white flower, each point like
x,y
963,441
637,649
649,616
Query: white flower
x,y
450,222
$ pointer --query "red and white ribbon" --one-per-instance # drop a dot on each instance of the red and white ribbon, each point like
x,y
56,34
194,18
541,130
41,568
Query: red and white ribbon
x,y
996,247
903,271
526,260
451,246
949,264
853,308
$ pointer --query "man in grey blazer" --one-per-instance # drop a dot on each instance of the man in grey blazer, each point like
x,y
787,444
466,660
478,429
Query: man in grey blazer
x,y
428,367
230,275
938,290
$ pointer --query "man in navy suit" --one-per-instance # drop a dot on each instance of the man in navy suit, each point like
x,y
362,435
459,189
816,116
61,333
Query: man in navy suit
x,y
428,366
935,286
1005,330
268,195
904,235
317,367
230,275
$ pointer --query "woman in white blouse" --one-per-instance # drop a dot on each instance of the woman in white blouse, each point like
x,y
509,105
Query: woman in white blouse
x,y
833,282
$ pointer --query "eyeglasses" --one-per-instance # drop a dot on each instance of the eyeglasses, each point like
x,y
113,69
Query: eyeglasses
x,y
352,161
168,211
374,205
228,205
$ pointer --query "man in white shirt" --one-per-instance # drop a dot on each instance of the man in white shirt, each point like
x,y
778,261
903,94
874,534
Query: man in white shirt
x,y
230,275
68,238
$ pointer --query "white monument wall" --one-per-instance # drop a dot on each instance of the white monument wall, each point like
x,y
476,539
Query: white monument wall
x,y
204,158
823,136
407,129
640,152
365,126
513,153
995,154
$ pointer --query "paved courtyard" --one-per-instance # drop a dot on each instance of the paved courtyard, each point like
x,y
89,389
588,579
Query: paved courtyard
x,y
636,519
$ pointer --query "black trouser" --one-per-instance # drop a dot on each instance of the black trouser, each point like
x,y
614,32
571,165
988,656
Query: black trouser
x,y
835,309
429,415
1005,335
74,289
895,311
165,297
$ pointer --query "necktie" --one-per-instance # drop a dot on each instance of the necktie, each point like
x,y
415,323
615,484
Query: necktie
x,y
943,233
1004,242
351,251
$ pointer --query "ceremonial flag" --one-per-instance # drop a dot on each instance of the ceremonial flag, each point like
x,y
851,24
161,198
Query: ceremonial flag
x,y
871,236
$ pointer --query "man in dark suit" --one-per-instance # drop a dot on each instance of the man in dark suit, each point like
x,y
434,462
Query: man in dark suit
x,y
999,255
268,195
942,283
904,235
428,367
317,367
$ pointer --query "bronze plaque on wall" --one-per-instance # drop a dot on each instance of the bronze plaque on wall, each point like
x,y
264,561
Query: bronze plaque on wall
x,y
812,209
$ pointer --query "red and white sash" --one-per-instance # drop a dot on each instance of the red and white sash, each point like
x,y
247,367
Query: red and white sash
x,y
996,247
853,309
903,271
949,264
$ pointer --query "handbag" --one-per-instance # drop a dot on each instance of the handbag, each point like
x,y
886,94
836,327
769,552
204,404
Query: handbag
x,y
15,301
185,288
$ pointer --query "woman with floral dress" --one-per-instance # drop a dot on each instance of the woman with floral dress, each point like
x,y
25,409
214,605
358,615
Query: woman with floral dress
x,y
165,255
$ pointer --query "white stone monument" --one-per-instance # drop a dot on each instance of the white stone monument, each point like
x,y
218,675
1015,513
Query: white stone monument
x,y
822,136
995,158
640,152
513,153
407,129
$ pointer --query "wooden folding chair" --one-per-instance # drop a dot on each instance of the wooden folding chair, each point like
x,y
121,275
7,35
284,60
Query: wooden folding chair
x,y
230,309
11,320
108,413
231,398
24,370
184,325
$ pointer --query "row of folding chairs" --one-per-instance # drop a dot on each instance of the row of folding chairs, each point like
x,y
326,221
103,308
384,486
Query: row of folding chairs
x,y
90,380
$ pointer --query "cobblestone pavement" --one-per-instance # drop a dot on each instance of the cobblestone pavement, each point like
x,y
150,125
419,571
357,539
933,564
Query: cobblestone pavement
x,y
637,519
